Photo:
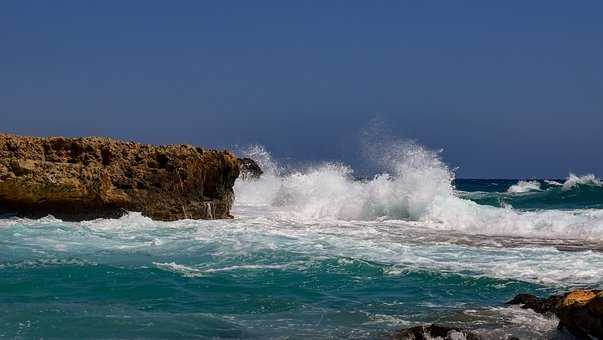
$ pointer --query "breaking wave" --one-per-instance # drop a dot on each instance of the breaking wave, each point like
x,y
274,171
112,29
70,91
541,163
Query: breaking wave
x,y
416,185
576,192
574,181
524,186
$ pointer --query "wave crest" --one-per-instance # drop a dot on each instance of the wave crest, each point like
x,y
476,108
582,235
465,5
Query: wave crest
x,y
524,186
587,180
416,186
416,180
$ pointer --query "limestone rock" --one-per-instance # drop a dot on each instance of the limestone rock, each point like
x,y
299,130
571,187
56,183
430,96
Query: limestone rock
x,y
86,178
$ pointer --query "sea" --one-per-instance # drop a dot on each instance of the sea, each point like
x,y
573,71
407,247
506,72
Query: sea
x,y
313,252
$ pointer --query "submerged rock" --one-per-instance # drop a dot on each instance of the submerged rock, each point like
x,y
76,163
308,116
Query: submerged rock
x,y
434,331
87,178
579,311
249,168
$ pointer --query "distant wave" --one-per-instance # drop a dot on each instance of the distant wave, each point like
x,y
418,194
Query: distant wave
x,y
588,180
524,186
576,192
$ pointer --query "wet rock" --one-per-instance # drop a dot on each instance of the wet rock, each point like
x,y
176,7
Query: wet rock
x,y
579,311
549,305
434,331
86,178
249,168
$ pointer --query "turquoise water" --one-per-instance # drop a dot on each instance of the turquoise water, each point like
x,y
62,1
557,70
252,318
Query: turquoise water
x,y
116,280
310,254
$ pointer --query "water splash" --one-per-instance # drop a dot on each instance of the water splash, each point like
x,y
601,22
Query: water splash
x,y
416,185
588,180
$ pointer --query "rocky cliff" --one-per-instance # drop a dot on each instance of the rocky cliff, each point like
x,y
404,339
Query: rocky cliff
x,y
86,178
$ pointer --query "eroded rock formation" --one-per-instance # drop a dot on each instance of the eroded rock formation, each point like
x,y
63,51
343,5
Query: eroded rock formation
x,y
86,178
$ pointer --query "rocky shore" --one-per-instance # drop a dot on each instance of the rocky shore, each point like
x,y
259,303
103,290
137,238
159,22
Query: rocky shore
x,y
580,313
85,178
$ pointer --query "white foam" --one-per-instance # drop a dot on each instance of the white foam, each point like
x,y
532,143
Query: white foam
x,y
500,322
257,240
246,267
416,187
524,186
589,180
183,270
417,180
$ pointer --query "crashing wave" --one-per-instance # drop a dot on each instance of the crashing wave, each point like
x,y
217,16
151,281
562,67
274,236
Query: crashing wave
x,y
416,180
416,186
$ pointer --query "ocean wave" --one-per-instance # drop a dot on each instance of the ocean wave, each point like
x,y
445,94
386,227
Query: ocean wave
x,y
180,269
416,186
416,179
576,192
189,271
254,243
587,180
551,182
524,186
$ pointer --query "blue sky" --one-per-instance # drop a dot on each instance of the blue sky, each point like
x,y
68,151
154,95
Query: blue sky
x,y
507,89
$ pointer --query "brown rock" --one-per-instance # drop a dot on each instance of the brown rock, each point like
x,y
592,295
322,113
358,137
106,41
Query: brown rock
x,y
578,298
579,311
86,178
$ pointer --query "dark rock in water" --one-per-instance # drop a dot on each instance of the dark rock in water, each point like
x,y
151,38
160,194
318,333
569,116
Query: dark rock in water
x,y
579,311
434,331
549,305
249,168
87,178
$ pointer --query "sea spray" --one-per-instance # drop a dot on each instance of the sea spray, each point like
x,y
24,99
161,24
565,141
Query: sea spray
x,y
417,186
417,179
586,180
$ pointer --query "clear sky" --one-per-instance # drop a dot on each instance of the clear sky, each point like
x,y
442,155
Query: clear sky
x,y
506,88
